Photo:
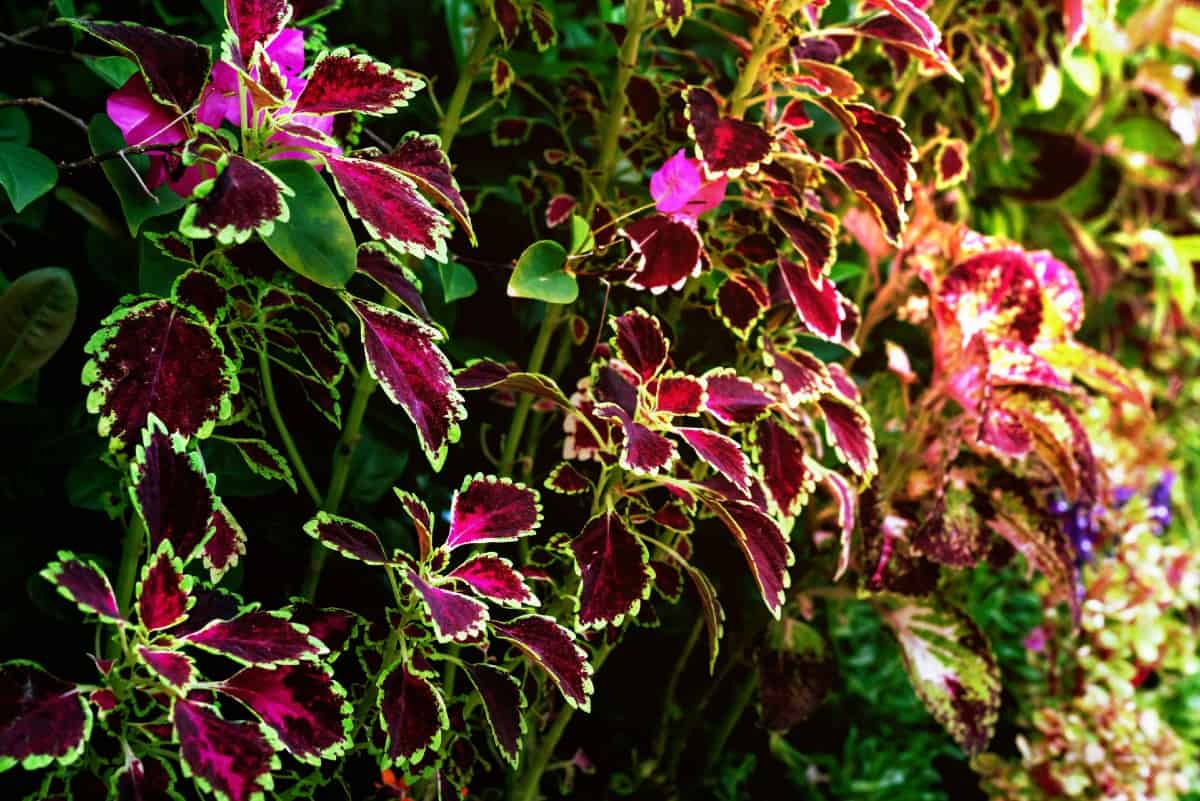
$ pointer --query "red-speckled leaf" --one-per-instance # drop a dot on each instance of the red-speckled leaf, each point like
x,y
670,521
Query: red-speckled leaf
x,y
812,240
256,22
664,252
994,293
614,570
491,509
724,145
164,593
888,146
507,15
305,708
175,68
785,473
243,199
676,393
640,342
1098,370
816,299
764,545
1062,311
413,373
566,480
950,665
84,584
258,638
714,613
721,453
391,207
496,579
422,159
504,704
733,399
350,539
175,668
741,302
950,164
489,374
43,719
872,188
673,12
184,377
554,649
342,82
644,451
386,269
455,617
233,760
226,545
172,492
848,429
953,533
803,377
411,713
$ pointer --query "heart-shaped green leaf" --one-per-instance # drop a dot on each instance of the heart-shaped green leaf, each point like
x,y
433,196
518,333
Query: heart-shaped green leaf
x,y
316,241
541,274
25,174
458,281
36,315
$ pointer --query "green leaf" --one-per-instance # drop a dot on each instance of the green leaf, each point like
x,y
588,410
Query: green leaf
x,y
25,174
14,126
375,468
541,274
844,270
138,207
316,241
582,240
36,315
113,70
458,281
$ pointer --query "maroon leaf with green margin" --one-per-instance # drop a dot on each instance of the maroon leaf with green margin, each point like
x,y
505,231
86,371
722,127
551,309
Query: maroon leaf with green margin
x,y
926,31
176,669
504,704
714,613
258,638
795,671
332,626
816,299
780,455
541,27
764,545
174,67
265,460
495,578
492,509
411,713
455,617
43,719
230,759
849,430
84,584
553,648
341,82
812,240
733,399
640,342
203,293
614,571
664,252
847,501
422,159
673,12
950,164
741,302
256,22
872,188
507,15
721,453
644,451
391,207
226,545
803,377
172,492
676,394
489,374
302,704
559,209
420,517
390,272
888,146
243,199
950,665
724,145
566,480
144,778
164,593
184,377
413,373
349,538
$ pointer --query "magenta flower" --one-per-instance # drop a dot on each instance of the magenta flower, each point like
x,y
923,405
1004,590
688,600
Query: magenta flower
x,y
142,120
680,189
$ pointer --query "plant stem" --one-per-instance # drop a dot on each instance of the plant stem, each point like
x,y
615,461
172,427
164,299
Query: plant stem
x,y
289,444
131,553
458,100
664,720
732,716
537,357
610,135
763,42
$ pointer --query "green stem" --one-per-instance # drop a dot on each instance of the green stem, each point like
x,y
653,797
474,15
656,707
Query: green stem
x,y
610,135
458,100
537,357
763,40
289,444
732,716
131,554
664,720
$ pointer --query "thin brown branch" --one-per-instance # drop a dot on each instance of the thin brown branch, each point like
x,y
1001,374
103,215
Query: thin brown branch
x,y
42,102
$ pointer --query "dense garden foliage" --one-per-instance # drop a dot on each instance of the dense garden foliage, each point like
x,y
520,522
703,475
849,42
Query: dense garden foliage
x,y
525,399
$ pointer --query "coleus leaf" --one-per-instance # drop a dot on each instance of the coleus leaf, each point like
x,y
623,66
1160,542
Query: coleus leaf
x,y
926,32
803,377
226,545
265,460
541,27
849,430
503,77
721,453
386,269
714,613
742,300
492,509
504,704
243,199
888,146
496,579
203,293
953,533
507,16
614,570
420,517
174,668
455,617
726,146
995,293
1097,370
332,626
950,665
413,373
553,648
84,584
566,480
144,778
233,760
676,394
490,374
164,592
172,493
872,188
186,378
764,545
559,209
174,67
794,674
640,343
950,164
390,206
342,82
422,159
673,12
733,399
816,299
812,240
411,712
256,22
349,538
664,252
258,638
847,501
305,708
644,451
785,472
43,719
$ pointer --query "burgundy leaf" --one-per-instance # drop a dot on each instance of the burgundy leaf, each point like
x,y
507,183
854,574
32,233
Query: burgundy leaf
x,y
950,163
996,293
43,719
302,704
724,145
888,146
554,648
411,712
495,578
922,26
84,584
230,759
764,545
780,455
184,377
503,77
350,539
665,252
258,638
795,116
343,82
334,627
541,26
413,373
420,517
849,431
243,199
175,68
644,452
226,545
504,704
507,15
873,189
256,22
673,12
803,377
203,293
714,614
721,453
390,206
643,98
733,399
812,240
491,509
211,604
174,668
508,131
847,501
816,299
559,210
422,159
566,480
489,374
676,394
614,572
387,270
640,342
164,593
455,617
668,579
741,302
172,492
144,778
